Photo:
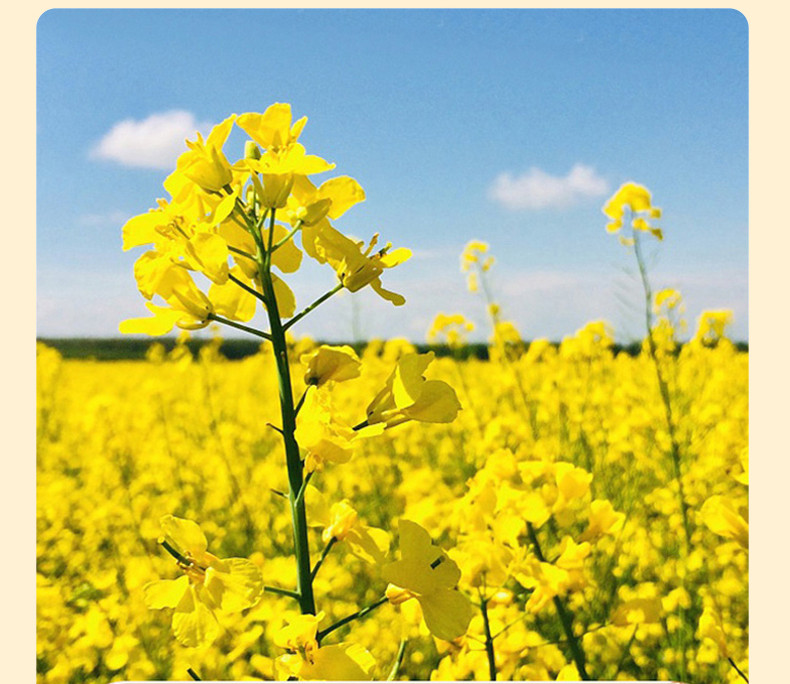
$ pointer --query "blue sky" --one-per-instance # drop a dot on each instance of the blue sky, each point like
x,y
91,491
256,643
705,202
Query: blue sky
x,y
510,126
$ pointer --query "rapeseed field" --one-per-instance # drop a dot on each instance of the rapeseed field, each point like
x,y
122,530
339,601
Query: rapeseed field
x,y
554,512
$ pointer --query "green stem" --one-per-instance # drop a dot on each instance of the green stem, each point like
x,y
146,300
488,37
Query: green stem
x,y
489,639
495,320
662,385
293,232
626,651
239,326
193,674
350,618
241,252
304,583
565,617
318,301
175,552
300,495
738,670
247,288
301,399
282,592
398,661
324,554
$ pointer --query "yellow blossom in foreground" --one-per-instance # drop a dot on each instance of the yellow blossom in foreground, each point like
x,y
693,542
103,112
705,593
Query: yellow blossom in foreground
x,y
209,584
407,395
322,436
355,269
342,523
205,163
188,307
426,573
306,660
331,363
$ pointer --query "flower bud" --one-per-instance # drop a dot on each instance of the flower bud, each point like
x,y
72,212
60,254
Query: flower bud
x,y
251,150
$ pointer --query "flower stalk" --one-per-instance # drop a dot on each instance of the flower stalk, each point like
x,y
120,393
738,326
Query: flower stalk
x,y
566,619
489,639
304,579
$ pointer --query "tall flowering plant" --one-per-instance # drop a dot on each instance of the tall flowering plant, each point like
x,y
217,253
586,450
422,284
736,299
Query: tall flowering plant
x,y
244,226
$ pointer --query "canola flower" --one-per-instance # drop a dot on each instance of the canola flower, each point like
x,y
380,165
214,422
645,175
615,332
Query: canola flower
x,y
537,534
207,585
221,211
102,491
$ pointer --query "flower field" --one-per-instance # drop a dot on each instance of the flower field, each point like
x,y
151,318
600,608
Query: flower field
x,y
571,441
552,512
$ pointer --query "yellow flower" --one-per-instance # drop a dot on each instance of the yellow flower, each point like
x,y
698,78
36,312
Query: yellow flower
x,y
636,611
299,635
710,627
331,364
306,660
635,198
209,584
453,327
274,132
721,517
711,328
188,307
339,663
407,395
341,522
272,129
572,483
323,438
668,298
204,163
426,573
355,269
471,255
310,205
603,520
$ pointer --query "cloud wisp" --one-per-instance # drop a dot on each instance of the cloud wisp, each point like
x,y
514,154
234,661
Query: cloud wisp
x,y
150,143
537,189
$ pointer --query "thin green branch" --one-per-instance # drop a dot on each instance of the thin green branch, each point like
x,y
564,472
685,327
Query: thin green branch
x,y
301,399
303,489
350,618
489,639
393,674
565,617
291,233
247,288
282,592
239,326
175,552
624,655
324,554
738,670
318,301
241,252
193,674
662,385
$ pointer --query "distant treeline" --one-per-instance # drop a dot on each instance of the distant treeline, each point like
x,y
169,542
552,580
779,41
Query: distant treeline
x,y
120,348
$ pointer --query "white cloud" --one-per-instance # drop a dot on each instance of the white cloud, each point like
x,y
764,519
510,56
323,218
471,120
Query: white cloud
x,y
537,189
106,219
153,143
